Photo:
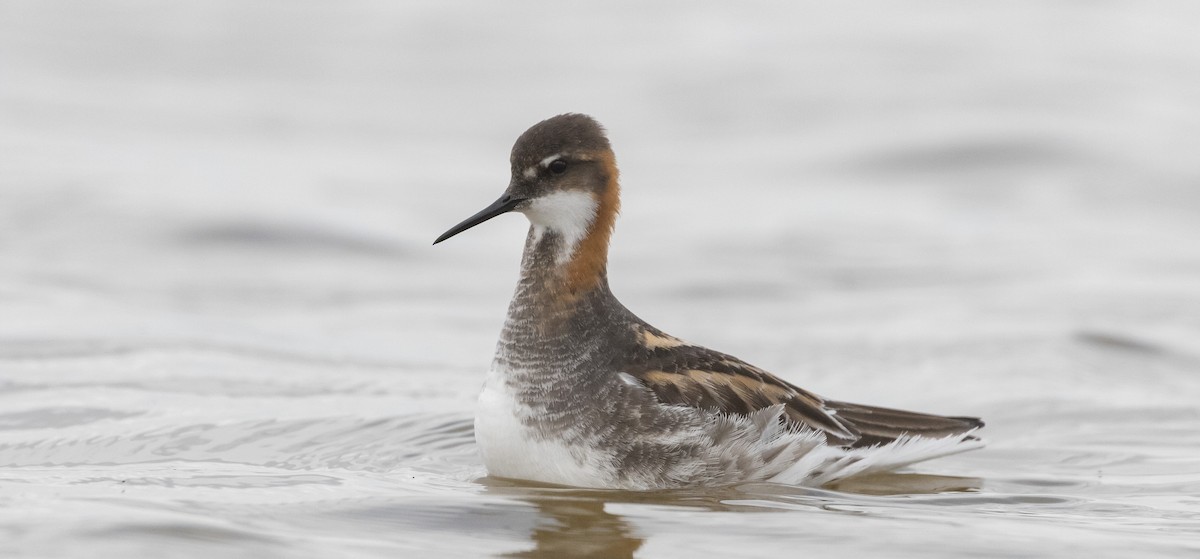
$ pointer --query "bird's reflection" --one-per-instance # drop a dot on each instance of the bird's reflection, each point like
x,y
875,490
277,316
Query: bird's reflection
x,y
580,523
907,484
579,528
577,523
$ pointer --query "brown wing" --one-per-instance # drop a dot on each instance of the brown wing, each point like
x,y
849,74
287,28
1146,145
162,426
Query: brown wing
x,y
694,376
682,374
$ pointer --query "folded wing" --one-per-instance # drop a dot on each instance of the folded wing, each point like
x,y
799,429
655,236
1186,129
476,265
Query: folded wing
x,y
706,379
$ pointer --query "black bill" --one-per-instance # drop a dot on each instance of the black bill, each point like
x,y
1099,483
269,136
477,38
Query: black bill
x,y
504,205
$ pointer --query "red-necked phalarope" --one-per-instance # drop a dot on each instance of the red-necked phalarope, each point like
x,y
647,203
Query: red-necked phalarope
x,y
584,393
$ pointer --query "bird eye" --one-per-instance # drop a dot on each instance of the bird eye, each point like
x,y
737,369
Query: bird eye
x,y
558,166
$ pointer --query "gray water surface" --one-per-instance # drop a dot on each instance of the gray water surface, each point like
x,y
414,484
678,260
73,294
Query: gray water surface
x,y
223,332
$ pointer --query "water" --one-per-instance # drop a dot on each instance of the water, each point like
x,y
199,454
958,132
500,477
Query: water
x,y
223,331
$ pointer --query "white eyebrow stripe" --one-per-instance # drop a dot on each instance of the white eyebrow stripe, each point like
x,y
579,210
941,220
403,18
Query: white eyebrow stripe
x,y
530,172
547,161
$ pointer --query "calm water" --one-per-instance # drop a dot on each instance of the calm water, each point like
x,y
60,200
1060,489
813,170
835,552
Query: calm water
x,y
223,332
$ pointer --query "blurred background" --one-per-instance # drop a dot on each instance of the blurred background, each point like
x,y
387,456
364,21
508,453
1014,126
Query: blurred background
x,y
223,328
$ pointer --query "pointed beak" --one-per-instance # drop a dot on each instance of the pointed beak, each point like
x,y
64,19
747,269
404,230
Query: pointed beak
x,y
505,204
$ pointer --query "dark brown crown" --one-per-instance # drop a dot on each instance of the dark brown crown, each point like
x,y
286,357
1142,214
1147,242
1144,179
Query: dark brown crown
x,y
566,133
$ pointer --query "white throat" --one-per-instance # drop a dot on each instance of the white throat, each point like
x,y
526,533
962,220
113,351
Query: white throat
x,y
567,213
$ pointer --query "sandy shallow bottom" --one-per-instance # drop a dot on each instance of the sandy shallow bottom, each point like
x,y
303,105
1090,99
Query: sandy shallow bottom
x,y
223,332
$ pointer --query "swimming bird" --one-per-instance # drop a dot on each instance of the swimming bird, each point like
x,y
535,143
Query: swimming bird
x,y
582,392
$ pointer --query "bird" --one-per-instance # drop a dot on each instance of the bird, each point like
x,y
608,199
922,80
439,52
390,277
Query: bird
x,y
581,392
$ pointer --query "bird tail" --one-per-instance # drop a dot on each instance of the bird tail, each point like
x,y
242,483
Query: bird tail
x,y
880,426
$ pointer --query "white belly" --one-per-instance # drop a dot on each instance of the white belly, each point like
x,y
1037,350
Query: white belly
x,y
512,450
